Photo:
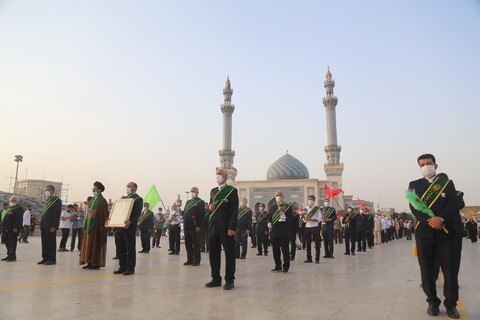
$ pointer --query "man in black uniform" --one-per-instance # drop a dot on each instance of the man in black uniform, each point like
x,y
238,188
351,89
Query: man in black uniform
x,y
244,227
350,230
145,225
193,216
328,217
433,242
362,225
293,232
125,237
49,221
222,225
280,217
262,230
11,224
253,233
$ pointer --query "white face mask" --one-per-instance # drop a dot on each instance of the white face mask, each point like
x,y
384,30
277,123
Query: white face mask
x,y
241,203
12,204
193,194
326,204
279,199
48,194
261,208
428,171
350,210
310,202
129,190
219,178
95,193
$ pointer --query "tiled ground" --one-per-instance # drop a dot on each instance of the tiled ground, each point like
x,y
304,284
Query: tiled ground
x,y
382,283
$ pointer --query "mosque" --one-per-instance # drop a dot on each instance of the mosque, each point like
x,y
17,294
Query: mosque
x,y
288,174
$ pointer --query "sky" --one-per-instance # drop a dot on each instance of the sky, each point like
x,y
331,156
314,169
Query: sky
x,y
120,91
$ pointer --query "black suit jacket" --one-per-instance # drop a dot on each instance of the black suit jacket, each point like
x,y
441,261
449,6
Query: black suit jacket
x,y
147,223
351,227
245,223
197,211
262,226
225,218
51,218
281,229
329,224
445,207
362,222
13,219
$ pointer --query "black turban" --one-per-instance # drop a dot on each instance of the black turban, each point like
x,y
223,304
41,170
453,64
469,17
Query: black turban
x,y
99,185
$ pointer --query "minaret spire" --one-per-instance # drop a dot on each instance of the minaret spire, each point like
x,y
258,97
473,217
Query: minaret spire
x,y
333,168
226,153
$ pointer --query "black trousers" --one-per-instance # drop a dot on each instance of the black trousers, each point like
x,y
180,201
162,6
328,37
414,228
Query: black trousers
x,y
204,244
25,233
216,243
362,240
429,251
192,245
328,235
262,242
281,244
10,240
174,238
49,245
65,234
293,245
350,242
126,254
157,235
145,238
370,238
253,235
240,241
313,233
76,232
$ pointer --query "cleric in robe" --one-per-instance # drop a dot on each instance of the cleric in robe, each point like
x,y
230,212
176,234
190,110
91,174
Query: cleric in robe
x,y
94,242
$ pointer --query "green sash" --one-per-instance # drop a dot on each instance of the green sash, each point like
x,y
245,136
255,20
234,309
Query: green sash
x,y
313,212
260,216
133,196
434,191
219,197
277,214
48,204
329,212
352,215
242,213
89,219
301,220
5,212
144,216
191,204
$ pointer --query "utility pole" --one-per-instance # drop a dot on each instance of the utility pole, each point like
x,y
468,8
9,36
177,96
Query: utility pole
x,y
18,159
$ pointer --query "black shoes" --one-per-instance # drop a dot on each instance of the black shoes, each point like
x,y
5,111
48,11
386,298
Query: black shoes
x,y
292,258
119,271
433,310
259,254
276,270
212,284
128,272
347,253
317,261
142,251
42,261
228,286
195,264
5,259
452,313
242,258
308,261
188,263
50,263
11,259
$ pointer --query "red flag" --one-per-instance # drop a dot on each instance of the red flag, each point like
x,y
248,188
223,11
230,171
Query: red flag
x,y
331,192
364,207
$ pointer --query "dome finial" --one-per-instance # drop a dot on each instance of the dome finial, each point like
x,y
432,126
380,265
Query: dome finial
x,y
227,83
329,74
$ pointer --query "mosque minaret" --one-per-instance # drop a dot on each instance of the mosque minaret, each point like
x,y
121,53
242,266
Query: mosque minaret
x,y
226,153
333,168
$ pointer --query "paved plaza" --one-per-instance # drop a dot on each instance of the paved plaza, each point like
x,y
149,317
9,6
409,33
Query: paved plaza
x,y
382,283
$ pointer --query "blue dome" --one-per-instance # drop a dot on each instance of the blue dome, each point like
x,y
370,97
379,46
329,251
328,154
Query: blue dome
x,y
287,167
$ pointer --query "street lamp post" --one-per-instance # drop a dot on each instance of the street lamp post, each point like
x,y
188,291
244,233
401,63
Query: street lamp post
x,y
18,159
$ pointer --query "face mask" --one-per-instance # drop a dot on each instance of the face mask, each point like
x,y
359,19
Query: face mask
x,y
428,171
279,199
326,204
310,202
95,193
193,194
129,190
241,203
261,208
350,210
219,178
47,194
361,211
12,204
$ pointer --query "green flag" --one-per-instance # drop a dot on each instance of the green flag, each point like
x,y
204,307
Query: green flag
x,y
152,197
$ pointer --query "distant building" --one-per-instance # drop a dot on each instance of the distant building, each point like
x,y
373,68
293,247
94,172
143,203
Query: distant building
x,y
36,188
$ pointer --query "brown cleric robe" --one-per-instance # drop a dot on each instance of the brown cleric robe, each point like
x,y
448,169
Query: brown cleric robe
x,y
94,243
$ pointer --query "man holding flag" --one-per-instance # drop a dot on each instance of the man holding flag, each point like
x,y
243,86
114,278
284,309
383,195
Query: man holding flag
x,y
193,216
434,209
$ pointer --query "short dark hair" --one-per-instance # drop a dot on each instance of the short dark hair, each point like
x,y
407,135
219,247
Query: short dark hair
x,y
70,206
311,196
51,187
6,204
427,156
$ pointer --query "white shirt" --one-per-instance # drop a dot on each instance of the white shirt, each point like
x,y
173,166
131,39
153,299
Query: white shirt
x,y
178,218
65,224
26,218
317,215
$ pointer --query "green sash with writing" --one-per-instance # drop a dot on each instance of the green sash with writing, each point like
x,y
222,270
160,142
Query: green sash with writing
x,y
144,216
191,204
260,216
221,195
329,212
276,216
5,212
242,213
48,204
89,218
350,217
313,212
434,191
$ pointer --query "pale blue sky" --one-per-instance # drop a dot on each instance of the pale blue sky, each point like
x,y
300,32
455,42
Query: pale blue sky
x,y
131,90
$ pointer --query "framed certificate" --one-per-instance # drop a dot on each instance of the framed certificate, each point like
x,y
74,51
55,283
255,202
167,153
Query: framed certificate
x,y
121,210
